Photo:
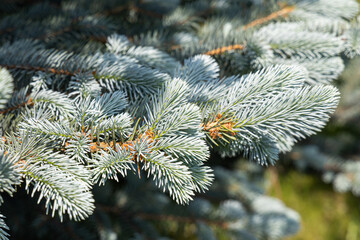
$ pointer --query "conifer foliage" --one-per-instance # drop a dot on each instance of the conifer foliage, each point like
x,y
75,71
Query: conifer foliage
x,y
95,91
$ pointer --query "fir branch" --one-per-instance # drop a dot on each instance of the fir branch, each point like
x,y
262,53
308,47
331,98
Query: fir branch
x,y
168,173
54,130
58,104
3,228
9,173
108,165
6,81
187,148
68,196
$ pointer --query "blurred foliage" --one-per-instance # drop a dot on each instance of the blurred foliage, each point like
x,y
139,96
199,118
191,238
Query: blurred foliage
x,y
325,214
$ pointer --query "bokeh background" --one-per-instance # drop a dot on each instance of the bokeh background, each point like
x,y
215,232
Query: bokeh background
x,y
319,179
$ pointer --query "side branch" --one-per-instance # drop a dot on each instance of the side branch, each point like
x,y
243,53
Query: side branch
x,y
281,13
220,50
29,103
41,69
71,28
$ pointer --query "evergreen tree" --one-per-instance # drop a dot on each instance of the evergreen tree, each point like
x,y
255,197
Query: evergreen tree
x,y
144,92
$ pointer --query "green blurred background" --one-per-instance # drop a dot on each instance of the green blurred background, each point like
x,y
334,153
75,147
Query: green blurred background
x,y
325,213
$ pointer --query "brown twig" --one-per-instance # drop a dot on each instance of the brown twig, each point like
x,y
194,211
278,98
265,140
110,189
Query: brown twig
x,y
281,13
29,103
70,29
41,69
128,145
224,49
